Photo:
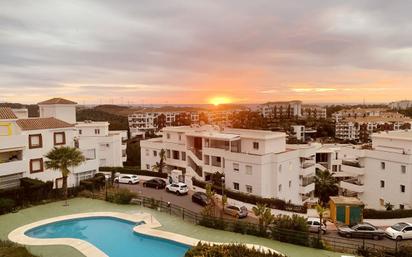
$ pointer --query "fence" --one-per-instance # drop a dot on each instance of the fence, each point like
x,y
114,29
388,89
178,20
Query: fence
x,y
327,241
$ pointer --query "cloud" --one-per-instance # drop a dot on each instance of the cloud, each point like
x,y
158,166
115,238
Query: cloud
x,y
251,50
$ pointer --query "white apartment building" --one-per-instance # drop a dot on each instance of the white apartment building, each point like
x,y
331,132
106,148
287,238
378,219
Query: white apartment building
x,y
25,142
401,105
357,113
253,161
314,111
302,133
146,121
382,172
289,109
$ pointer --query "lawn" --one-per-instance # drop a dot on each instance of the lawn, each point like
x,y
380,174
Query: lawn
x,y
174,224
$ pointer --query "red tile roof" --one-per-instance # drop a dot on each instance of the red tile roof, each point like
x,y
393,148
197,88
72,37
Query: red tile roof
x,y
42,123
6,113
57,101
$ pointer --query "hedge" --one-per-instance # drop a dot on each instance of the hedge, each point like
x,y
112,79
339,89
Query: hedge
x,y
254,199
95,183
394,214
231,250
135,171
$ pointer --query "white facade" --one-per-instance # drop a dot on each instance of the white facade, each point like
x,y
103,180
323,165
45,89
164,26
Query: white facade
x,y
401,105
314,112
302,133
288,109
255,162
25,142
64,112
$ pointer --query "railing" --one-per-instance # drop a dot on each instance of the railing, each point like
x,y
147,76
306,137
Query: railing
x,y
331,242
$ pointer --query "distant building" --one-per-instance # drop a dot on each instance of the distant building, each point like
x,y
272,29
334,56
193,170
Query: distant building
x,y
278,110
359,124
314,112
301,133
401,105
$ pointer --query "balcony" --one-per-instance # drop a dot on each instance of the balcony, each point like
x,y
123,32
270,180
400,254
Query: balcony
x,y
307,169
306,189
352,185
12,167
358,171
12,142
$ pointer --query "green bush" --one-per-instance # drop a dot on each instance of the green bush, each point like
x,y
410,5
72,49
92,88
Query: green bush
x,y
254,199
135,171
291,229
212,222
95,183
6,205
120,196
403,251
9,249
393,214
232,250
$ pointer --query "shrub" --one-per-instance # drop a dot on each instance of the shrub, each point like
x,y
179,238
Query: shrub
x,y
6,205
95,183
35,190
393,214
291,229
254,199
121,196
239,227
135,171
10,249
86,194
232,250
212,222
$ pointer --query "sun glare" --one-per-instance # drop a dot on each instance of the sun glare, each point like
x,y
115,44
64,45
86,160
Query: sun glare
x,y
219,100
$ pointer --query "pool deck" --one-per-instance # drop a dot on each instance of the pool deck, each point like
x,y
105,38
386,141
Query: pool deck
x,y
11,221
89,250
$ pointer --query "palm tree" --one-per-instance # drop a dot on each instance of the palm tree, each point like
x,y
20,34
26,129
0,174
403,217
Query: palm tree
x,y
321,212
264,214
61,158
325,186
210,208
160,165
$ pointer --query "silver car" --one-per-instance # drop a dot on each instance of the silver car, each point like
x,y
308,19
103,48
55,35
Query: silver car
x,y
315,226
238,212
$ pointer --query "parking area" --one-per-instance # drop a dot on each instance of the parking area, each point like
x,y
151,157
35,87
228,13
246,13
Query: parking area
x,y
185,201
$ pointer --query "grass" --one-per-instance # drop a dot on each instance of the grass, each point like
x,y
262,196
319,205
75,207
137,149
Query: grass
x,y
169,223
9,249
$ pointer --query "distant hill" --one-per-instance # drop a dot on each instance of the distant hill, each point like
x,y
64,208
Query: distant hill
x,y
117,122
33,109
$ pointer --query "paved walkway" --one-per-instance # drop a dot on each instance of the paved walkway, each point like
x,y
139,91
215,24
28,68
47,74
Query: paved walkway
x,y
169,223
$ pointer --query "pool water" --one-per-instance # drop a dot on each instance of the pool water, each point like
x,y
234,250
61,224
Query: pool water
x,y
115,237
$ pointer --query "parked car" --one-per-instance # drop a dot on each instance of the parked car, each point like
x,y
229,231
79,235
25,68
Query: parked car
x,y
400,231
177,188
362,230
238,212
200,198
127,179
155,183
315,226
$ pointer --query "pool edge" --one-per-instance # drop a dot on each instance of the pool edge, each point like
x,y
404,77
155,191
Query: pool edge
x,y
89,250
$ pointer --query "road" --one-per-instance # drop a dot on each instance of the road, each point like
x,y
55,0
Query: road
x,y
185,201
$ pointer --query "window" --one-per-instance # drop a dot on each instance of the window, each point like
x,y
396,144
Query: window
x,y
290,183
248,170
280,168
235,186
402,188
249,189
183,156
383,165
168,136
147,167
147,152
176,155
35,141
154,153
382,183
167,153
236,167
280,188
403,169
36,165
80,131
180,137
59,138
97,131
256,145
207,159
89,154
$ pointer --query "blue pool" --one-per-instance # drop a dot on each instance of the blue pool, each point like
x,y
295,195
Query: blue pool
x,y
115,237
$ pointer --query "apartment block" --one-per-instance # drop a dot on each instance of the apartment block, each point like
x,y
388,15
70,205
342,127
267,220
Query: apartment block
x,y
24,142
253,161
314,112
277,110
382,172
401,105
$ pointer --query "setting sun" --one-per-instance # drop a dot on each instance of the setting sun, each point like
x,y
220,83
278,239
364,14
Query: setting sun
x,y
220,100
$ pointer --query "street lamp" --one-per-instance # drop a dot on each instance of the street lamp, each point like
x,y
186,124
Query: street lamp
x,y
223,185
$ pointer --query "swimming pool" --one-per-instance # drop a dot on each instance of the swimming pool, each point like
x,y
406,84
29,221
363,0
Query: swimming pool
x,y
114,236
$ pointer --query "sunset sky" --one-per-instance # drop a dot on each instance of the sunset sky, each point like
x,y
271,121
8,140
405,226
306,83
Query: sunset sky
x,y
239,51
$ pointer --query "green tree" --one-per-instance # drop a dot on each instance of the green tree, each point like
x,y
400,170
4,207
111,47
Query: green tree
x,y
209,209
264,215
62,158
160,165
325,186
